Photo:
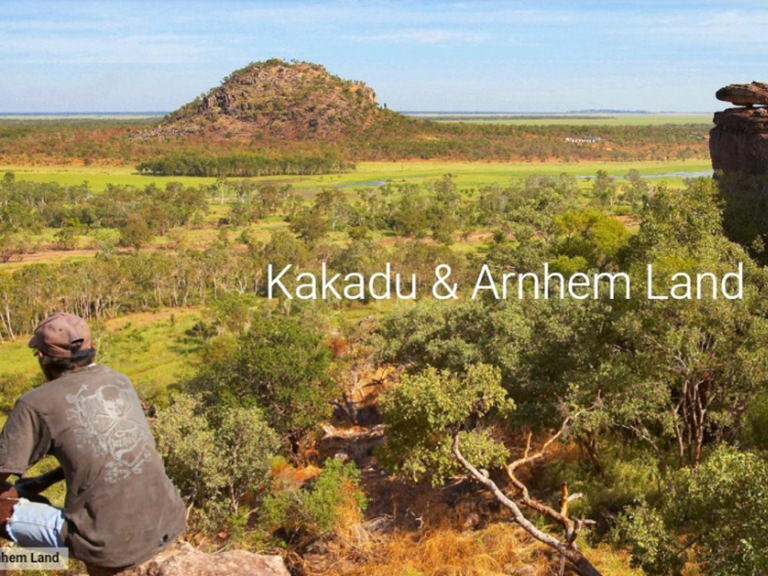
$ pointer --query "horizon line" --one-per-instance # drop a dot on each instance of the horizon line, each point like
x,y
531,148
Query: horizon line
x,y
594,111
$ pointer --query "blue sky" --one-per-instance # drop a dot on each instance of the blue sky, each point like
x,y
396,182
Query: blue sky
x,y
515,56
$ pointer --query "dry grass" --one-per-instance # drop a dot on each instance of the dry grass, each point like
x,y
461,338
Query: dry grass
x,y
456,532
498,549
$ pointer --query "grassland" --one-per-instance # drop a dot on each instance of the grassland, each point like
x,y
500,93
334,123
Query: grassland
x,y
97,177
152,347
467,174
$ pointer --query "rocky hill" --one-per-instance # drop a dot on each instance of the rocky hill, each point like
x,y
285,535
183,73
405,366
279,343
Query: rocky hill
x,y
278,100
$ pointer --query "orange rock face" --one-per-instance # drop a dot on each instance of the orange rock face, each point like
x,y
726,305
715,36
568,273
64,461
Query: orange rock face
x,y
739,140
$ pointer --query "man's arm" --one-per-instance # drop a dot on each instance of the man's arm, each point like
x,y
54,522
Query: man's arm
x,y
37,484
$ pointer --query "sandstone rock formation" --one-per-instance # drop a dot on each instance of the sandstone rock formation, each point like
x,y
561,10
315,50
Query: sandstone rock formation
x,y
744,94
277,99
739,140
184,560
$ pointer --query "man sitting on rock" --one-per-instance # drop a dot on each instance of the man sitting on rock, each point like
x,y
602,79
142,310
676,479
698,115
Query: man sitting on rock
x,y
120,508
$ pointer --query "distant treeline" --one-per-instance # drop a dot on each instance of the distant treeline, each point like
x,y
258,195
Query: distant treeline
x,y
117,140
242,165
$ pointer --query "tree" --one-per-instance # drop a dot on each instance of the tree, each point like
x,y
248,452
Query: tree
x,y
410,215
439,424
283,249
636,189
445,210
595,237
135,233
421,413
538,345
13,244
309,226
724,500
304,512
279,365
677,374
604,188
66,236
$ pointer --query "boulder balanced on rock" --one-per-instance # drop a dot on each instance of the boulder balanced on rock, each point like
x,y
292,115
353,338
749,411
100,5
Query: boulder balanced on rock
x,y
755,93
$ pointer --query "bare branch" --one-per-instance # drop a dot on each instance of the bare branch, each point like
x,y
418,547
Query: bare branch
x,y
568,551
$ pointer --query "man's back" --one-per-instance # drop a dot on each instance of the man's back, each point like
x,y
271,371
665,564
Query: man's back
x,y
120,508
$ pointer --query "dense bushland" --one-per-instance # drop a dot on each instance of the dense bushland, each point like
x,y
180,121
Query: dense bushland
x,y
664,401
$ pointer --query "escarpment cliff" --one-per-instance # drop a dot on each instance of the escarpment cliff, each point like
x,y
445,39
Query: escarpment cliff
x,y
739,140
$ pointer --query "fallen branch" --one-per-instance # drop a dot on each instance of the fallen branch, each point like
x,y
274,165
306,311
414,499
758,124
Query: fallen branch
x,y
567,550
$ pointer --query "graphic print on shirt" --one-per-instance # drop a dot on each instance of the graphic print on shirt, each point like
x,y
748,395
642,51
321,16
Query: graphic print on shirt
x,y
108,426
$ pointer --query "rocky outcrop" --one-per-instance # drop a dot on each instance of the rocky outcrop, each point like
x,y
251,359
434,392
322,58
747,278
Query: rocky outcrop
x,y
184,560
277,99
744,94
739,140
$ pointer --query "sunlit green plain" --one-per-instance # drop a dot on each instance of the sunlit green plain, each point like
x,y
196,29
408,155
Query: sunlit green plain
x,y
467,174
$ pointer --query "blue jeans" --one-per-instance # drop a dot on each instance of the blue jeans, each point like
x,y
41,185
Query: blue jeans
x,y
36,525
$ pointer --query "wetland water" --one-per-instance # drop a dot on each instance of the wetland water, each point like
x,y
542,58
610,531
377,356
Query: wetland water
x,y
682,174
675,174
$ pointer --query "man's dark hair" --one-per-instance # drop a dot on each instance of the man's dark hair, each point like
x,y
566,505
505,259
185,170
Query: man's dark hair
x,y
80,359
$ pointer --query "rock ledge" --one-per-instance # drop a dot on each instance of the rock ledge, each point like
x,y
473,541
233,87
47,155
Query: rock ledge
x,y
183,560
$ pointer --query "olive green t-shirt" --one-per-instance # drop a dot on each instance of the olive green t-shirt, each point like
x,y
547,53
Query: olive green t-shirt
x,y
120,507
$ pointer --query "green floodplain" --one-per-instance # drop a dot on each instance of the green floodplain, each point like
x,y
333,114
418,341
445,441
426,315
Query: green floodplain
x,y
146,345
467,174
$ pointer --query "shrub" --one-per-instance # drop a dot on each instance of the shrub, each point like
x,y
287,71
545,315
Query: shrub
x,y
331,503
215,458
715,510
